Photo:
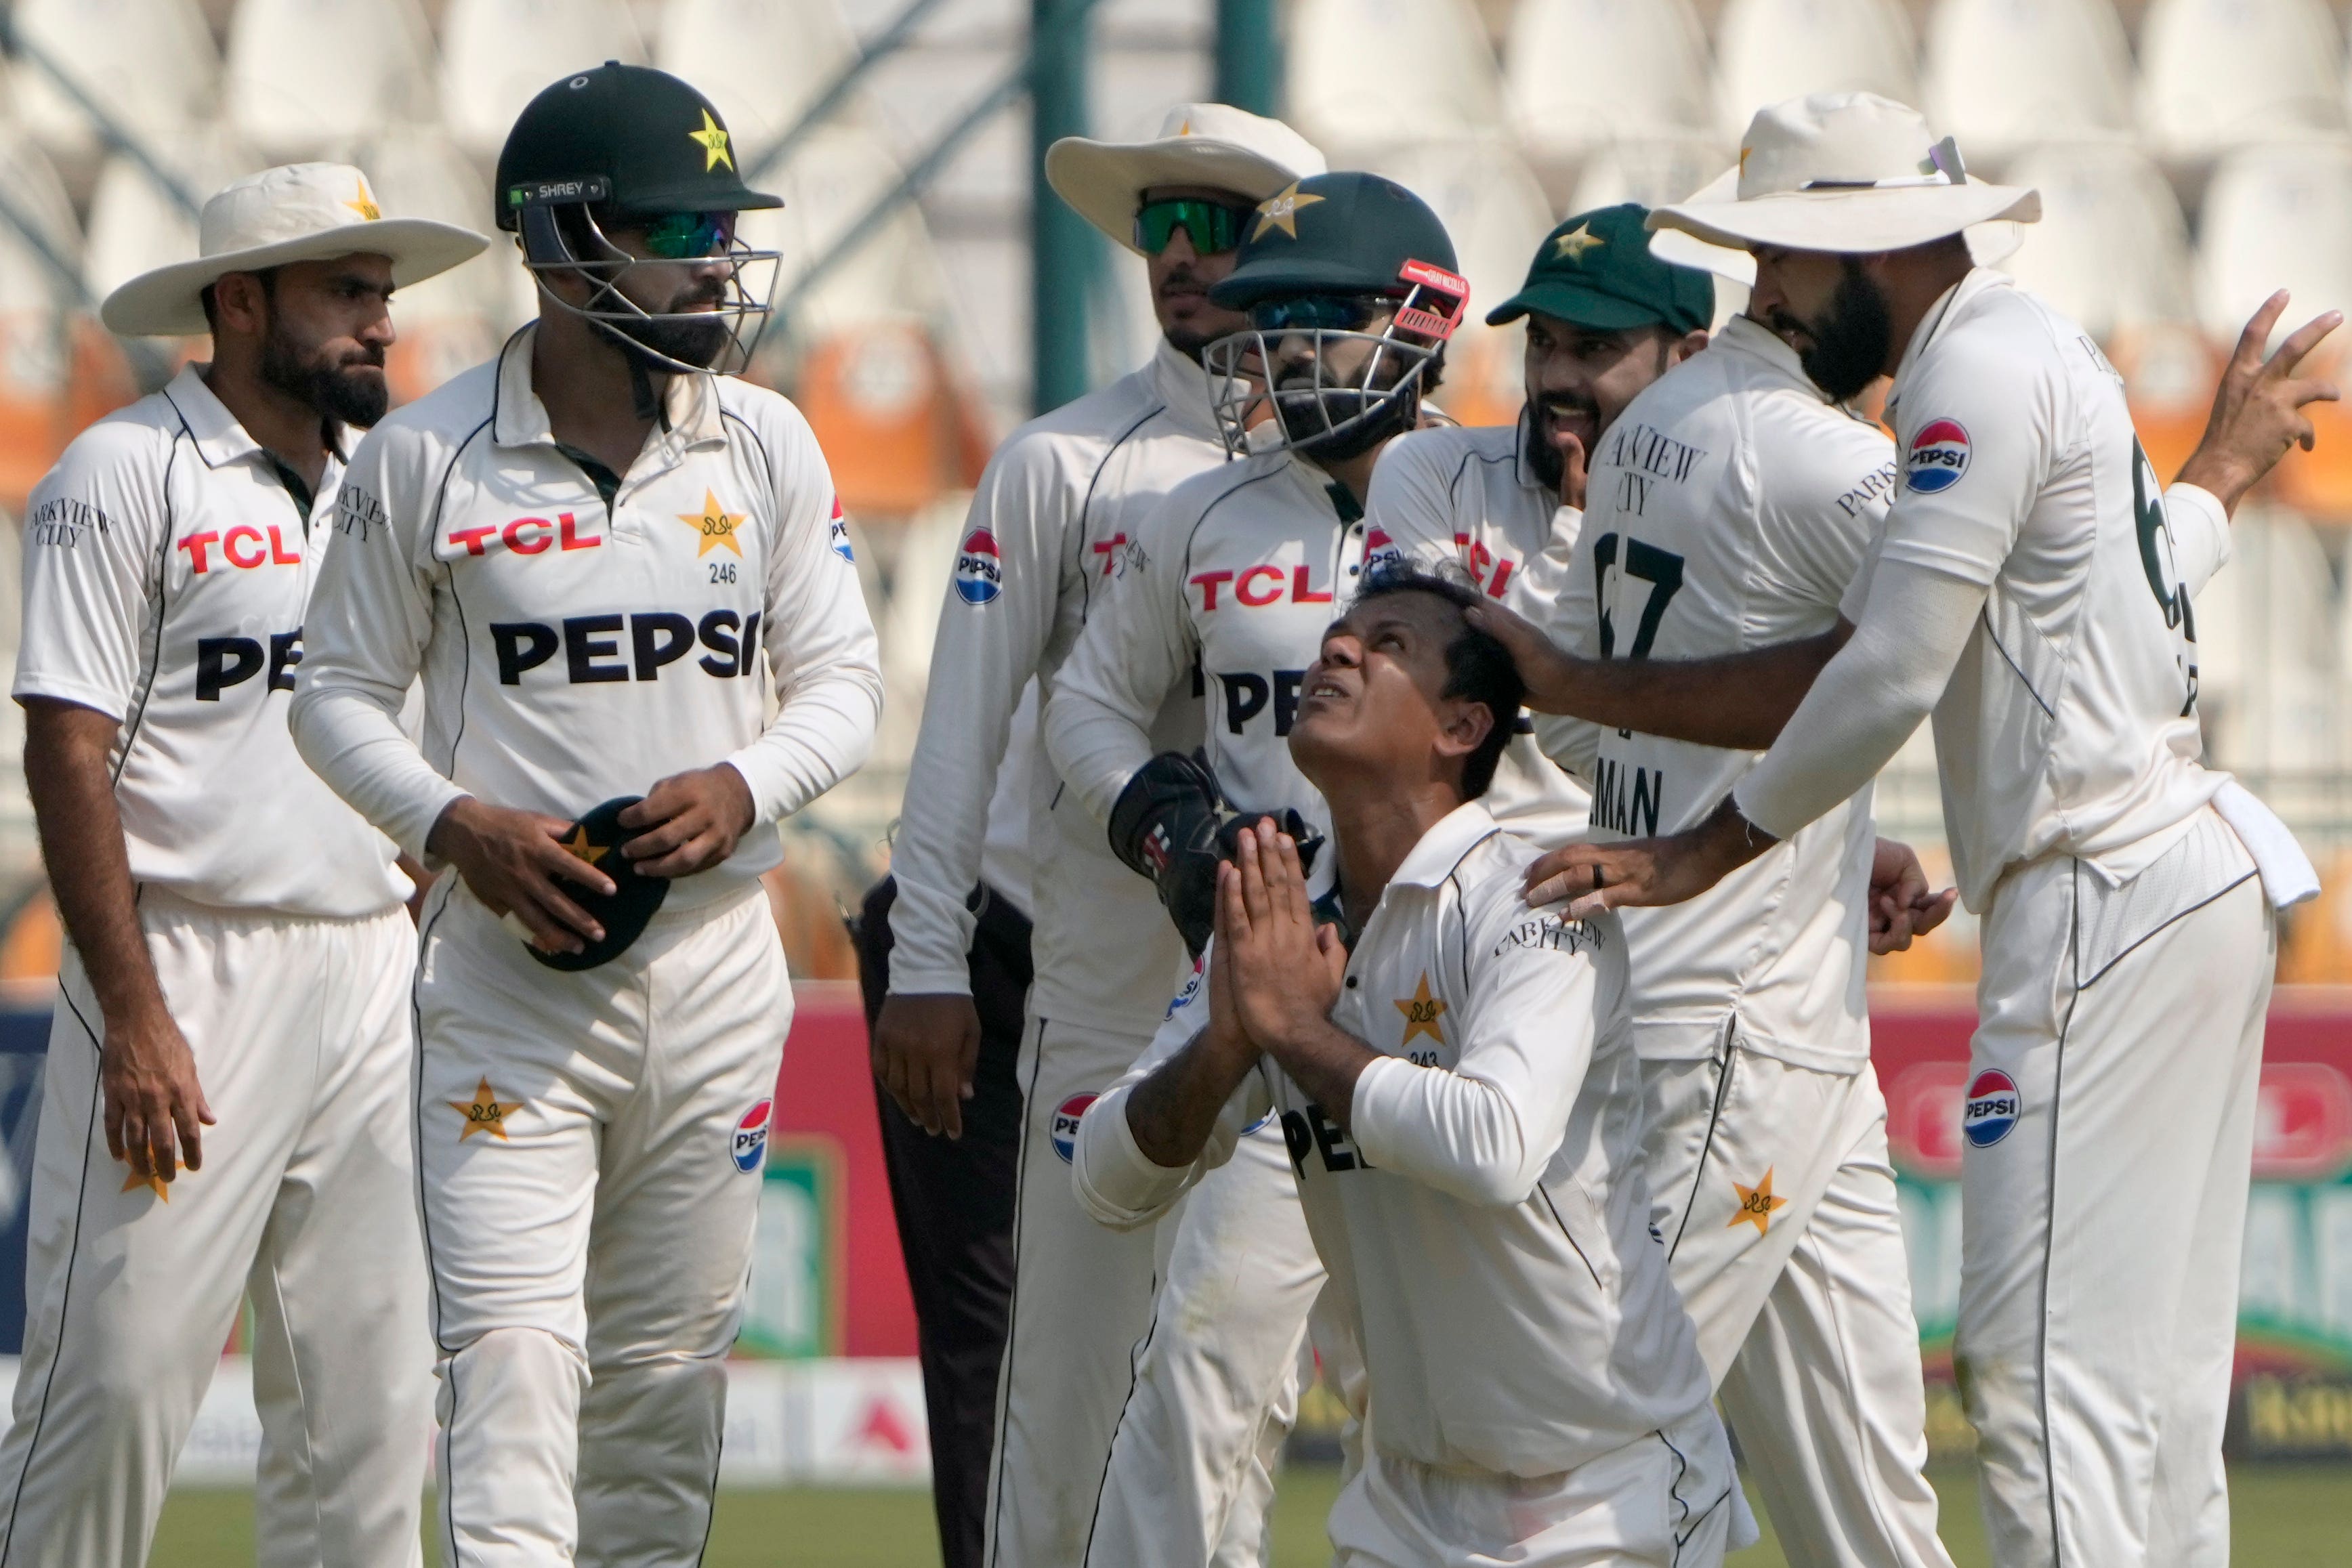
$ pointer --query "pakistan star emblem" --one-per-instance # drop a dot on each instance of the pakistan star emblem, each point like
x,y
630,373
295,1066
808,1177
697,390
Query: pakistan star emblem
x,y
713,137
1280,211
486,1113
365,203
715,523
1756,1204
1422,1013
578,847
155,1183
1572,246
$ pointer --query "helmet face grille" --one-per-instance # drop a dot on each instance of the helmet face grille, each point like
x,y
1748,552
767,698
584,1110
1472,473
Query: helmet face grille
x,y
1326,413
669,340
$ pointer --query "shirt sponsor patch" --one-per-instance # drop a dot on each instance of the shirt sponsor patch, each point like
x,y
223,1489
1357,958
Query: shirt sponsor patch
x,y
1991,1109
1938,456
838,533
979,569
750,1146
1066,1124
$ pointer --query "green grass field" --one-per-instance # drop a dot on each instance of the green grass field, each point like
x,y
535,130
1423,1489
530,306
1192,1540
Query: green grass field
x,y
2287,1516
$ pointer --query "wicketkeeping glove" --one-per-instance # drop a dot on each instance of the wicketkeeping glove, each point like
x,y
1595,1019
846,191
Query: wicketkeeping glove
x,y
1172,825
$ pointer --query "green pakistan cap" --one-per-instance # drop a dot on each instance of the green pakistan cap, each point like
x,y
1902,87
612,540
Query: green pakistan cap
x,y
1596,271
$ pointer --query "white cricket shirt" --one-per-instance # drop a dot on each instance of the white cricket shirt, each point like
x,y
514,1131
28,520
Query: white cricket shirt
x,y
167,567
1236,576
1727,509
1486,1224
2069,724
1057,506
1467,496
572,649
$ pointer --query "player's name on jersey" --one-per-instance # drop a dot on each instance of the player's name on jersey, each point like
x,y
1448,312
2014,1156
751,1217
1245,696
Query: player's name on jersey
x,y
1626,797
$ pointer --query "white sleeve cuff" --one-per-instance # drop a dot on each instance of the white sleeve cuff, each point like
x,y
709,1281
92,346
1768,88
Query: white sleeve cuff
x,y
1116,1182
2200,534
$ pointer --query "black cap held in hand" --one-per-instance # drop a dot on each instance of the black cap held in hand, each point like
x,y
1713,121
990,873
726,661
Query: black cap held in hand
x,y
596,839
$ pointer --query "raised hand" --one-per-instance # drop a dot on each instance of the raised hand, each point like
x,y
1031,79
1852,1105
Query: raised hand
x,y
2258,408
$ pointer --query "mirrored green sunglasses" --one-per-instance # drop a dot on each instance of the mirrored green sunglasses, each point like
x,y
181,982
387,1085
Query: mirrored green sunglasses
x,y
689,236
1210,227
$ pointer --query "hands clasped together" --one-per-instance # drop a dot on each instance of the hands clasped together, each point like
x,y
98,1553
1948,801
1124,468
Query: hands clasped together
x,y
1273,973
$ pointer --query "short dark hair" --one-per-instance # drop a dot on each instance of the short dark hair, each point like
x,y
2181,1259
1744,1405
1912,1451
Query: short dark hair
x,y
1477,666
266,276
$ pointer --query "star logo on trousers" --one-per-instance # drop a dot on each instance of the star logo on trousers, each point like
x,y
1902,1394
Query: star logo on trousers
x,y
1422,1013
133,1180
715,524
486,1114
1756,1204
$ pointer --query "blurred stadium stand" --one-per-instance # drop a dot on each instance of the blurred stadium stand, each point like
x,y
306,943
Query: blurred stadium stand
x,y
2193,155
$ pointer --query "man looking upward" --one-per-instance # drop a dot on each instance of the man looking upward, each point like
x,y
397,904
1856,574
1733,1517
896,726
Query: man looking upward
x,y
1462,1108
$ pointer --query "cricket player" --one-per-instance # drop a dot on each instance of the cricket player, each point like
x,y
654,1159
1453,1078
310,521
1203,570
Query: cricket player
x,y
2032,588
1059,503
1605,319
1734,498
1348,283
225,1101
1463,1106
622,581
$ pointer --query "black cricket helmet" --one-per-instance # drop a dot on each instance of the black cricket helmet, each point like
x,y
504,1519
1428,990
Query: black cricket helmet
x,y
630,146
1337,269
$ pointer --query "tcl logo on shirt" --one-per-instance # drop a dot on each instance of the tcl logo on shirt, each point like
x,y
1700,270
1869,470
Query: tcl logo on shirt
x,y
1257,586
1488,570
526,536
243,547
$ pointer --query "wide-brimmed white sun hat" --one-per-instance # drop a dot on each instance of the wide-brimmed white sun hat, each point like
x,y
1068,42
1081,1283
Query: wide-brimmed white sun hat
x,y
296,212
1847,172
1211,144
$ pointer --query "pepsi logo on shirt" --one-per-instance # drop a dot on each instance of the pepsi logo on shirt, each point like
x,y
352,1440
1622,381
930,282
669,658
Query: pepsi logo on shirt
x,y
979,569
1938,456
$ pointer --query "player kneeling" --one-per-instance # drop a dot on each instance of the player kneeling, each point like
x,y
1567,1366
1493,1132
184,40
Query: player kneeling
x,y
1463,1106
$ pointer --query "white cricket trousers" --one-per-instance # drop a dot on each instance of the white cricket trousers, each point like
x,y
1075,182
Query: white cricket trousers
x,y
2110,1144
1217,1377
1093,1317
305,1203
1776,1199
1661,1501
589,1150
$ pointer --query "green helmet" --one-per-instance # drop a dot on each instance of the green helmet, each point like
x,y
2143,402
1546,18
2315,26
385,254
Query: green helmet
x,y
629,146
1336,260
